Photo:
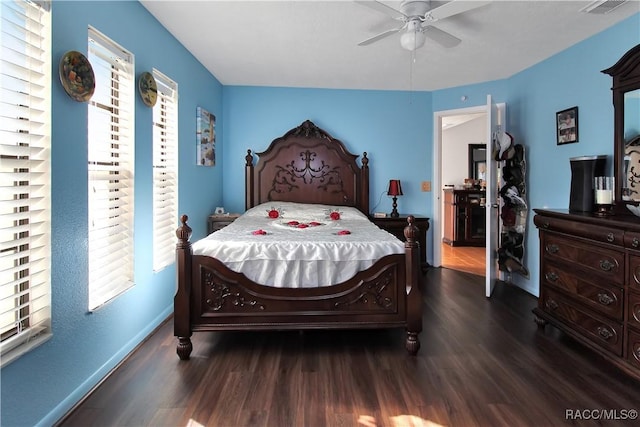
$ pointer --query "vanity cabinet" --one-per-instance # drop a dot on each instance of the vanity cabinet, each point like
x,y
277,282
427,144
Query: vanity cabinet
x,y
590,282
464,217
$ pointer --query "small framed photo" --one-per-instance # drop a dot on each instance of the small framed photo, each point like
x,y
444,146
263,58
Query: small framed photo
x,y
567,126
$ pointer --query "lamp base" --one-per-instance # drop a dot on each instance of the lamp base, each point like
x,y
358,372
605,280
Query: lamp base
x,y
394,212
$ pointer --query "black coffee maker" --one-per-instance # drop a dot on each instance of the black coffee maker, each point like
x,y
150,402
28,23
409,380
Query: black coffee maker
x,y
583,170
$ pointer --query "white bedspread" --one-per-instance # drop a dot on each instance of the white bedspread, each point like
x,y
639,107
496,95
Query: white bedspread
x,y
291,256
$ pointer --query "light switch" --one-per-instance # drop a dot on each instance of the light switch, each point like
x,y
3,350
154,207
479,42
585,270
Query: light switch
x,y
426,185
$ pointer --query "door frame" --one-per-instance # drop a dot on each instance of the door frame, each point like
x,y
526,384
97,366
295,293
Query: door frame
x,y
437,204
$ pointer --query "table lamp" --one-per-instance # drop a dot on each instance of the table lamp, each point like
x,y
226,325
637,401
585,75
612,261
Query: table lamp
x,y
395,190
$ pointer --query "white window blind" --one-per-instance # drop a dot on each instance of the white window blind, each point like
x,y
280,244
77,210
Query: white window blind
x,y
111,170
165,171
25,183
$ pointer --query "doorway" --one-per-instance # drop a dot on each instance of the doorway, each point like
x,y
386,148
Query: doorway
x,y
454,130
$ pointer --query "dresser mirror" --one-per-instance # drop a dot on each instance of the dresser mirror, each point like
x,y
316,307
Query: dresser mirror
x,y
626,105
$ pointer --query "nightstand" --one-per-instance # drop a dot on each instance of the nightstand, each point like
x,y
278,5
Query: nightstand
x,y
396,227
219,221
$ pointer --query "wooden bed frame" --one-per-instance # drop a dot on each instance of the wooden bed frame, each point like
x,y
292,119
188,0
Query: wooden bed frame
x,y
305,165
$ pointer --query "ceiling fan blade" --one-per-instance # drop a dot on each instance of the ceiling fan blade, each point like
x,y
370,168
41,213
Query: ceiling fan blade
x,y
452,8
383,8
441,37
379,37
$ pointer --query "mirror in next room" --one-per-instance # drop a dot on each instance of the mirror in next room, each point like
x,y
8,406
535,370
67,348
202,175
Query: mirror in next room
x,y
477,161
626,104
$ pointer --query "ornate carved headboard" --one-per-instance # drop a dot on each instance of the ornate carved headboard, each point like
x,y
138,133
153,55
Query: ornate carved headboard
x,y
307,165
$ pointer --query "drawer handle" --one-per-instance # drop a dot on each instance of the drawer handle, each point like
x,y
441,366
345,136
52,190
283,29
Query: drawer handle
x,y
605,299
635,242
604,332
607,265
551,304
545,224
610,238
551,276
553,248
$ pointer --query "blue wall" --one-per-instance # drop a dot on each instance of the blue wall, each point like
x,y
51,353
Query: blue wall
x,y
395,128
85,347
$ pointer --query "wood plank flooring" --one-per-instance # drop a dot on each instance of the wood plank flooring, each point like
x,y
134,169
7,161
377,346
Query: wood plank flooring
x,y
464,258
483,362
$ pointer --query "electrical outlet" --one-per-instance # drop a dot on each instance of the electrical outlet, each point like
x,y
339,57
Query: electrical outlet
x,y
426,185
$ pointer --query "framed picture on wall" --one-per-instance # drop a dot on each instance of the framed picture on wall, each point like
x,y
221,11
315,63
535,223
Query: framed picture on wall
x,y
205,138
567,126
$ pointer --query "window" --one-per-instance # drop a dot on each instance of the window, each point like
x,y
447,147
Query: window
x,y
165,171
111,170
25,176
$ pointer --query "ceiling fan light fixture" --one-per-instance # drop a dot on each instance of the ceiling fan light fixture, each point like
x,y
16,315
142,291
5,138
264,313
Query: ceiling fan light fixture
x,y
412,40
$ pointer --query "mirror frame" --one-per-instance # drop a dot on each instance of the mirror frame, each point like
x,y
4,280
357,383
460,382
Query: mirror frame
x,y
626,78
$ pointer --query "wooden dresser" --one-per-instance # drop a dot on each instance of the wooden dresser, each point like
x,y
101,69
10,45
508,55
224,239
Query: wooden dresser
x,y
590,282
464,217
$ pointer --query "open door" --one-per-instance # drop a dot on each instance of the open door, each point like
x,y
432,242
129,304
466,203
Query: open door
x,y
492,202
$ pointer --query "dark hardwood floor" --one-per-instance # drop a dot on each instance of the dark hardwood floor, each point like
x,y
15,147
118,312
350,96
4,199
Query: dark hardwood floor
x,y
483,362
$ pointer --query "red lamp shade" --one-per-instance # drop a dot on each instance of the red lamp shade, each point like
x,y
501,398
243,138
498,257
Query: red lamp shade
x,y
395,189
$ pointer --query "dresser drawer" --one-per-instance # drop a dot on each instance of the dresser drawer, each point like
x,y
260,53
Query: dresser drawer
x,y
606,263
633,348
593,232
605,333
633,311
605,299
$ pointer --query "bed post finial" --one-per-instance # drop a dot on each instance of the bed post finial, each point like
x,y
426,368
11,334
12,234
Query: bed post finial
x,y
184,231
249,158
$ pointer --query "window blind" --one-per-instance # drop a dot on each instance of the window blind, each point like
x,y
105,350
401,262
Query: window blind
x,y
110,170
165,171
25,177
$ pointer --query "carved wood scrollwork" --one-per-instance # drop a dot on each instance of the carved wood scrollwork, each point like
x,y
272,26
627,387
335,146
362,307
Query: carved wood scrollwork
x,y
372,294
327,177
219,294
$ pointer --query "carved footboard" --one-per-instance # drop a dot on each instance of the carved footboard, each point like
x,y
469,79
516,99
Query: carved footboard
x,y
211,297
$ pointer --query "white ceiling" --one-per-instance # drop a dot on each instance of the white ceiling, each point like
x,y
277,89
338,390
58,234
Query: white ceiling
x,y
314,44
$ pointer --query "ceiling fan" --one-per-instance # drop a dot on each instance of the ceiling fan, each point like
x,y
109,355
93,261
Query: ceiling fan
x,y
417,19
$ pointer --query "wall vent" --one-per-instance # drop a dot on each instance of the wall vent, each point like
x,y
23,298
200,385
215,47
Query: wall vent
x,y
601,7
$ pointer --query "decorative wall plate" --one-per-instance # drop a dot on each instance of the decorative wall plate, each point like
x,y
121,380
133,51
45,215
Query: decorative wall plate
x,y
148,89
76,76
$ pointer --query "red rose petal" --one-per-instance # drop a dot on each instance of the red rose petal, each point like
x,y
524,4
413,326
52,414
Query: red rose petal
x,y
303,225
293,223
274,213
344,232
314,223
